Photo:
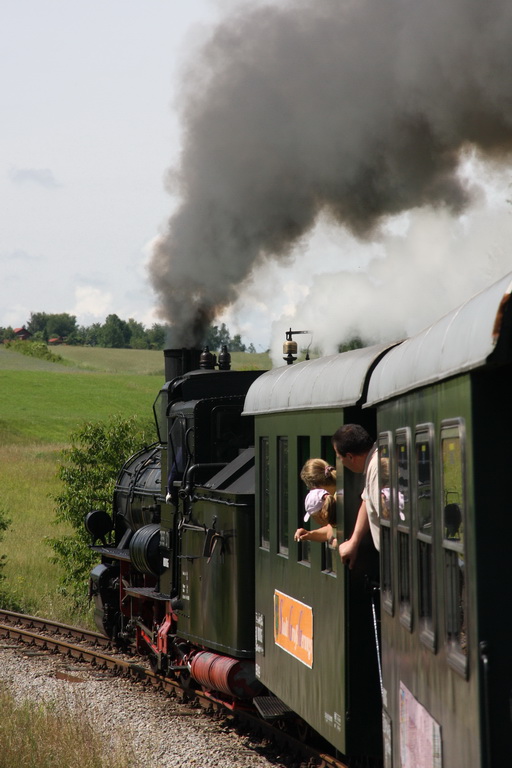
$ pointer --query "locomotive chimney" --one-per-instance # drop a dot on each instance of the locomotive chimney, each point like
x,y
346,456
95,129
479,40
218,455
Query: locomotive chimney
x,y
180,361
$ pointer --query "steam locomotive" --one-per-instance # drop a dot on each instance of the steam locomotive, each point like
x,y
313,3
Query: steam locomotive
x,y
406,658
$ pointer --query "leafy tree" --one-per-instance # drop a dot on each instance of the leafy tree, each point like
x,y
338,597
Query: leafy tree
x,y
6,334
115,333
60,325
45,326
88,471
157,336
236,345
77,337
138,336
92,335
37,322
216,337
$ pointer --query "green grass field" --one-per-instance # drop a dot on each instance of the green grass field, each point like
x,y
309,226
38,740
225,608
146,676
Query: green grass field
x,y
41,404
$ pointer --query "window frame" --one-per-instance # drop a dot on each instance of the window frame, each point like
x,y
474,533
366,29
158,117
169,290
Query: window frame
x,y
387,581
282,517
402,437
424,542
303,445
451,549
264,491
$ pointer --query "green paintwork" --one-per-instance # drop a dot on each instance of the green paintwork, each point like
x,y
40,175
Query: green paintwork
x,y
342,683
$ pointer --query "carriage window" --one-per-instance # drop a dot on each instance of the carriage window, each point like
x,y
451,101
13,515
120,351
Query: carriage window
x,y
282,500
160,414
452,444
177,456
303,454
328,450
403,524
264,493
329,560
424,509
229,433
385,497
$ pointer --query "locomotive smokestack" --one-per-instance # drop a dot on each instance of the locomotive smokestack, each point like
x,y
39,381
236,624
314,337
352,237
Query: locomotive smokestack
x,y
180,361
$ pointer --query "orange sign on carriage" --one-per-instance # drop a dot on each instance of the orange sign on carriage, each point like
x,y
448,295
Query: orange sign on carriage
x,y
293,627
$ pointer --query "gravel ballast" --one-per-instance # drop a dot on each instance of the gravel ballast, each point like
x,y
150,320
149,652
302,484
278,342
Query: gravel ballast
x,y
155,729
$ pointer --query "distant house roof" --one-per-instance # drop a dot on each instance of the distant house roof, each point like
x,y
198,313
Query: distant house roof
x,y
22,333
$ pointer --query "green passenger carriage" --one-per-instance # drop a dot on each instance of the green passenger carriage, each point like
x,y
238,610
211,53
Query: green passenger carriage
x,y
444,419
315,641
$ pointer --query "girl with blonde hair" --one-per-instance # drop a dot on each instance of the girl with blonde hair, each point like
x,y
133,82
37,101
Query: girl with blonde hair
x,y
320,503
317,473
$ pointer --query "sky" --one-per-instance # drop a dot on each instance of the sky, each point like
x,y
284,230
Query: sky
x,y
100,101
88,131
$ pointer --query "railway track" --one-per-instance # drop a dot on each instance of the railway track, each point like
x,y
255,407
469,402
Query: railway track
x,y
92,648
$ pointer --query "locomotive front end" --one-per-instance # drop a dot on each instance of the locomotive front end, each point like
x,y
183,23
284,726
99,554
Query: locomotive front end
x,y
175,579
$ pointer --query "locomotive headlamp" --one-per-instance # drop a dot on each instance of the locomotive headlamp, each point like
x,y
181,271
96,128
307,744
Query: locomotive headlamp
x,y
98,523
290,347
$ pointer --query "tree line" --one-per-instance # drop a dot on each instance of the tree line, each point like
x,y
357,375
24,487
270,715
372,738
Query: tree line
x,y
116,333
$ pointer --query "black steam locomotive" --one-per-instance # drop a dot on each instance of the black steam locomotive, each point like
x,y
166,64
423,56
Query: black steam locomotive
x,y
406,658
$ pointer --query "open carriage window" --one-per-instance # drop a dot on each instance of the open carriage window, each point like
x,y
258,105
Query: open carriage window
x,y
303,454
264,491
329,550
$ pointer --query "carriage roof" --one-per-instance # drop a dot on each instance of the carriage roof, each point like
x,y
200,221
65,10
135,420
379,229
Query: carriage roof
x,y
327,382
460,341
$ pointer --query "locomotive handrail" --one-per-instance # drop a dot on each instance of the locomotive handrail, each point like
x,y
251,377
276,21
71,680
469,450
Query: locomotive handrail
x,y
212,538
221,501
186,491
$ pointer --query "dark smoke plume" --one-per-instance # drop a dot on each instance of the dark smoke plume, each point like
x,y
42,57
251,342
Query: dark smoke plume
x,y
355,109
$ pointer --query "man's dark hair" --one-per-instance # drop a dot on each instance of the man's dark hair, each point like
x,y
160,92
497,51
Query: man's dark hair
x,y
352,438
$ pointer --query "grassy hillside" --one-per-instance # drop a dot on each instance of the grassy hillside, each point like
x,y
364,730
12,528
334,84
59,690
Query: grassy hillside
x,y
41,403
143,361
44,406
139,361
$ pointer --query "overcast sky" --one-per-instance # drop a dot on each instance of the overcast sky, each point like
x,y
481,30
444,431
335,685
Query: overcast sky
x,y
87,132
89,129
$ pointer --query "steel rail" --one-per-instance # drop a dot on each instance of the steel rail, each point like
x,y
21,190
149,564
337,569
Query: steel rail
x,y
21,627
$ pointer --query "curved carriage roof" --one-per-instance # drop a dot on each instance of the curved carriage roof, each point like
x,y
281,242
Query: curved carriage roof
x,y
327,382
460,341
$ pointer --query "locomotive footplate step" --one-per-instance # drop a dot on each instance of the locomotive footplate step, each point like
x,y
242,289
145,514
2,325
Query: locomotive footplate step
x,y
146,592
115,552
270,707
